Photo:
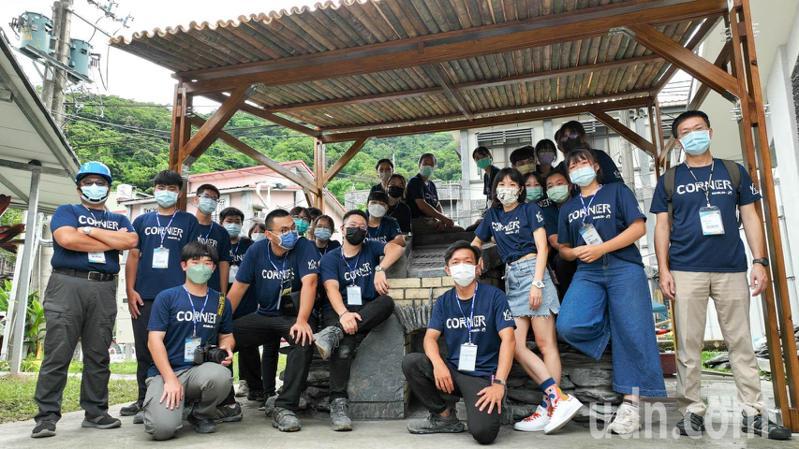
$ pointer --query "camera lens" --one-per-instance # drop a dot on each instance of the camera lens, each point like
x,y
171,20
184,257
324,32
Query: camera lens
x,y
216,355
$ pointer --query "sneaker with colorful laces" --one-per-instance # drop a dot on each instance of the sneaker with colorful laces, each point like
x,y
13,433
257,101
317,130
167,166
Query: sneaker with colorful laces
x,y
536,422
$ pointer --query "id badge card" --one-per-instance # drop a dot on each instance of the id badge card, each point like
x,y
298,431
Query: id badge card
x,y
161,258
98,257
710,217
468,357
590,234
354,296
192,343
234,270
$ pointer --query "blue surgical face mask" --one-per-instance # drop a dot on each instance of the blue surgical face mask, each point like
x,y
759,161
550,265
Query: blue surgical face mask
x,y
258,236
233,229
166,198
558,194
322,234
301,224
199,274
94,193
583,176
289,239
696,142
206,205
426,171
535,193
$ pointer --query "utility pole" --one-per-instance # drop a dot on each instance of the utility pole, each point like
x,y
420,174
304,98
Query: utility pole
x,y
55,79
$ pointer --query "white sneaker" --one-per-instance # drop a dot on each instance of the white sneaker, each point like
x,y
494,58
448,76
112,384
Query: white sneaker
x,y
535,422
627,420
562,413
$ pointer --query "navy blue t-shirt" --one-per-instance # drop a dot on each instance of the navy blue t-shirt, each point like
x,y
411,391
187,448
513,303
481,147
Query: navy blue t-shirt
x,y
402,213
216,236
182,230
237,252
172,313
690,250
78,216
419,189
269,275
331,245
612,210
358,270
385,232
512,231
609,172
377,188
451,315
550,211
248,303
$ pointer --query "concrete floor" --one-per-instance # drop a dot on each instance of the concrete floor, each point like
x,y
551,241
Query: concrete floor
x,y
256,431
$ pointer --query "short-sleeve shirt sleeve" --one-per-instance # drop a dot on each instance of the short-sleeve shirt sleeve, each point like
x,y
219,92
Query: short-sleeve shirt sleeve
x,y
436,320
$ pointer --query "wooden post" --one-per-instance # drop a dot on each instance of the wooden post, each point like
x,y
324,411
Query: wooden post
x,y
319,173
650,110
180,136
776,296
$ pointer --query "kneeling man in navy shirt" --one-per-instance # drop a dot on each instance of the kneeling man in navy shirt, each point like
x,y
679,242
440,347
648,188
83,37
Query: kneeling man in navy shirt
x,y
191,342
477,326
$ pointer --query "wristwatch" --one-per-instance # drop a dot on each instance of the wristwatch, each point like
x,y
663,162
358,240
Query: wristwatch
x,y
499,381
378,269
539,284
762,261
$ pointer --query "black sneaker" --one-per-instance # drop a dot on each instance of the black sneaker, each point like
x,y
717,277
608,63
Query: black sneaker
x,y
105,421
229,413
327,340
691,425
202,425
757,425
285,420
256,396
43,429
435,423
130,410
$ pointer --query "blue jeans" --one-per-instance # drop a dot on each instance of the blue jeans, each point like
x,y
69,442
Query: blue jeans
x,y
610,302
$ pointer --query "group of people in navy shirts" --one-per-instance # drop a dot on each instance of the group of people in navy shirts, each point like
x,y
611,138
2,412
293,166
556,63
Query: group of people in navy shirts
x,y
200,290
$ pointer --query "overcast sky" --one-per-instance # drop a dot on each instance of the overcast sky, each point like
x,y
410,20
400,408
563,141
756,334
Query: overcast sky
x,y
130,76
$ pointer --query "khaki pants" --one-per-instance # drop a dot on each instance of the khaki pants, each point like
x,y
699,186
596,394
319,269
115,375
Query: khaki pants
x,y
730,293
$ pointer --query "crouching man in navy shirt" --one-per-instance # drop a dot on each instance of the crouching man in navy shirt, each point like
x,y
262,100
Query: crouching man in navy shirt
x,y
358,301
478,327
281,271
191,342
80,300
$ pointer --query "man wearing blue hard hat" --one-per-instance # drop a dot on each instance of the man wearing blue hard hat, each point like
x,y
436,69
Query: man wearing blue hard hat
x,y
80,300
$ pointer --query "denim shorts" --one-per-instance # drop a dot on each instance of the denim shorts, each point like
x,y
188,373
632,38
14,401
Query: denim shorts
x,y
518,282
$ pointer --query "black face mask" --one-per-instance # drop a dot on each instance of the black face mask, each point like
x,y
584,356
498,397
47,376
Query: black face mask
x,y
355,235
395,192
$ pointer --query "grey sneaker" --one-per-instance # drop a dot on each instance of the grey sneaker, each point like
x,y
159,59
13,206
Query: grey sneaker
x,y
139,418
327,340
43,429
101,422
435,423
339,415
202,425
285,420
243,390
130,410
229,413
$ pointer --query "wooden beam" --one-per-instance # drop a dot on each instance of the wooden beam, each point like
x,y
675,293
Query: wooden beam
x,y
178,131
471,85
484,121
319,172
625,132
694,42
459,44
206,135
345,159
266,115
247,150
699,68
722,61
548,104
440,77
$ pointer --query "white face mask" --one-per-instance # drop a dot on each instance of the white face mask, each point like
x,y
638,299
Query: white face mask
x,y
377,210
463,273
507,195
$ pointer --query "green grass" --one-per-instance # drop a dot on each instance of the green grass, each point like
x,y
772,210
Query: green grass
x,y
32,366
16,396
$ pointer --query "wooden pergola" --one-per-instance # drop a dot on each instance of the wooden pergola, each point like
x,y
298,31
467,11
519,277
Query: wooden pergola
x,y
377,68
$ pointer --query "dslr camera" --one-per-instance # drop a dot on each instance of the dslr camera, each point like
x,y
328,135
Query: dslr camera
x,y
209,353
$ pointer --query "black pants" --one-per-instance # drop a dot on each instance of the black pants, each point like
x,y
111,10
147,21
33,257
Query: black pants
x,y
419,373
258,372
372,314
254,330
143,358
76,309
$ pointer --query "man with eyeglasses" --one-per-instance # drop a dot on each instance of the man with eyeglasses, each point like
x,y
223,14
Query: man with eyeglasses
x,y
213,234
283,270
81,300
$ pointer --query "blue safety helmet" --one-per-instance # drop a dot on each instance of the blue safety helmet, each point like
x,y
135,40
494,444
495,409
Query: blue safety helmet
x,y
93,168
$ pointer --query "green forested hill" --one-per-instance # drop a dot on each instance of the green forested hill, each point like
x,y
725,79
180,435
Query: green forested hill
x,y
133,139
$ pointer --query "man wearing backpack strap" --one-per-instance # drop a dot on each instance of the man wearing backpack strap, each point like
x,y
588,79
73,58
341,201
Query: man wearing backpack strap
x,y
700,254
